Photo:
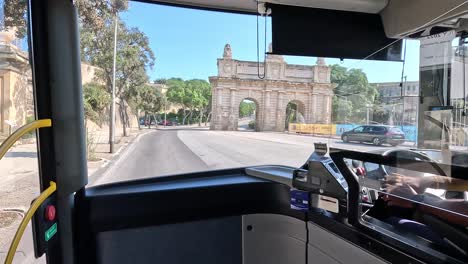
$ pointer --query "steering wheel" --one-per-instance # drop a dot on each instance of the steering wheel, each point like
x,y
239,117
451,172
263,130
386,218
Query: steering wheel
x,y
440,227
411,155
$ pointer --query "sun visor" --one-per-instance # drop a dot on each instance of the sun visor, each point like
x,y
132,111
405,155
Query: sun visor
x,y
300,31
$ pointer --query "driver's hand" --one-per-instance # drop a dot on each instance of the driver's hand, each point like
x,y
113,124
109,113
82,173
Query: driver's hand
x,y
398,184
395,188
396,179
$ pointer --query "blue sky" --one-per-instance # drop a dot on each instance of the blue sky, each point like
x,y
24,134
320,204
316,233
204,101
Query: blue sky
x,y
187,42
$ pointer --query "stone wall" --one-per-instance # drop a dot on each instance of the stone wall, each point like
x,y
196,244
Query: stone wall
x,y
308,87
16,92
88,73
15,84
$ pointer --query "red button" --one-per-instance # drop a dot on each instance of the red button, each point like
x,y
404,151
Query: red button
x,y
50,213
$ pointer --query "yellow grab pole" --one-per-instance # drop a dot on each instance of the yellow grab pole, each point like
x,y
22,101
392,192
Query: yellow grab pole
x,y
24,223
6,145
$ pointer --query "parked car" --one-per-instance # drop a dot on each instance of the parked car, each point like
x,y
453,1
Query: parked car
x,y
375,134
166,123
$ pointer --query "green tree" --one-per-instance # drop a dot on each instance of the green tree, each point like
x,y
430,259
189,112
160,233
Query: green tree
x,y
342,109
15,16
95,100
134,56
91,13
246,108
339,75
147,99
176,94
192,95
352,94
160,81
94,13
199,93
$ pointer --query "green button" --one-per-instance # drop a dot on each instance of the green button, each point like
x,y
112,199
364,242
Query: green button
x,y
51,232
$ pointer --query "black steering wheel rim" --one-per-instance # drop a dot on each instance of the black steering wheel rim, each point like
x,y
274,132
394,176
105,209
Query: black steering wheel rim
x,y
438,169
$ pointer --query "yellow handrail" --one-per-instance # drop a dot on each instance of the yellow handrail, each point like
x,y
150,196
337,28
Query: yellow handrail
x,y
29,214
6,145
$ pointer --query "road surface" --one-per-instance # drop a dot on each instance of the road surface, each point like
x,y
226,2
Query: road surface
x,y
175,150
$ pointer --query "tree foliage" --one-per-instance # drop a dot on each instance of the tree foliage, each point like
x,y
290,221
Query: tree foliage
x,y
91,13
133,57
291,114
191,95
94,14
147,99
176,91
160,81
246,108
15,16
95,101
199,94
96,20
352,94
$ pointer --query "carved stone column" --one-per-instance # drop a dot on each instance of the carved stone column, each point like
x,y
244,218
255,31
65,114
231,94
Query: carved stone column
x,y
214,110
232,123
308,110
327,111
266,108
280,112
217,115
313,111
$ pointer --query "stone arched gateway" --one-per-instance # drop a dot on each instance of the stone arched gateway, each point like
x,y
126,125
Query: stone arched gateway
x,y
238,80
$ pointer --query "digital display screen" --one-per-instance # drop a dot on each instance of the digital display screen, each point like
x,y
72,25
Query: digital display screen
x,y
333,166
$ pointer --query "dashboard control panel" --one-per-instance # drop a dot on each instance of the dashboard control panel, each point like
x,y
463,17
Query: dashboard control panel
x,y
320,181
321,175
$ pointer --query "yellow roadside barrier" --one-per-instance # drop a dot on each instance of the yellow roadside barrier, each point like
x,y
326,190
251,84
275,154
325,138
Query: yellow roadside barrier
x,y
316,129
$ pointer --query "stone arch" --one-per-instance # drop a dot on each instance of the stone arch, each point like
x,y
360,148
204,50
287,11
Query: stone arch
x,y
300,109
301,106
258,111
308,87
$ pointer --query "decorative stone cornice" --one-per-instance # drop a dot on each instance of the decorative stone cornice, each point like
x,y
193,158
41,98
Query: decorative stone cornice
x,y
12,58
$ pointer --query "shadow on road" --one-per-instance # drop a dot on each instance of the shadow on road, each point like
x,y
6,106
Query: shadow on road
x,y
361,144
175,128
21,154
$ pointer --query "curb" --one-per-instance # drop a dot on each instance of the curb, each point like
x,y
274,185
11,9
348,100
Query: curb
x,y
102,171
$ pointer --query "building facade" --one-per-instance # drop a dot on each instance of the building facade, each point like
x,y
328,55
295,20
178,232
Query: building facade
x,y
271,86
401,102
16,95
392,90
16,90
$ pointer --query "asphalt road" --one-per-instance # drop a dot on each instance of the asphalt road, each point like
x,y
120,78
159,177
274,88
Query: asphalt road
x,y
175,151
167,152
154,154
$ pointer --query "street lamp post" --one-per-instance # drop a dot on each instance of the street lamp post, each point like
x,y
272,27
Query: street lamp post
x,y
346,114
165,112
368,106
112,108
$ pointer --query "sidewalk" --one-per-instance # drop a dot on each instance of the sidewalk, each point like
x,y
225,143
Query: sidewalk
x,y
19,185
101,147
